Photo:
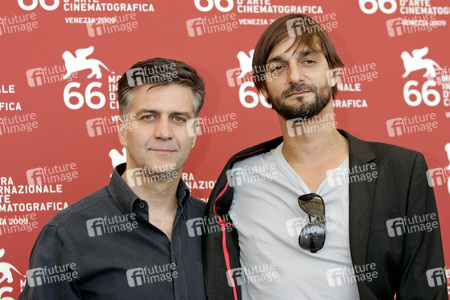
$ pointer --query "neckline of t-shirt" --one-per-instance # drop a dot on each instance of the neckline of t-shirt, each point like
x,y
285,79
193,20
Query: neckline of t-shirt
x,y
294,178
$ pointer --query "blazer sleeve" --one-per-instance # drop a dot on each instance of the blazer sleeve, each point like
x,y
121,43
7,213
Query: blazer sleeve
x,y
423,268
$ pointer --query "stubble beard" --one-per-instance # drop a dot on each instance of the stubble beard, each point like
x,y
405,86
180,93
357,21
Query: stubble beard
x,y
304,111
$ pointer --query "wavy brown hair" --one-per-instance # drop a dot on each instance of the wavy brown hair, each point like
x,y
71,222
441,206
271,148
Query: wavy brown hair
x,y
313,36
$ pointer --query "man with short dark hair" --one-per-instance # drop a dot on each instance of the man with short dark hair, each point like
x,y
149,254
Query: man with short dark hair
x,y
131,239
318,213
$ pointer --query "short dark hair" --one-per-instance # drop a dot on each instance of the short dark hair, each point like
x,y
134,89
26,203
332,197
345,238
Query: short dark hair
x,y
278,31
156,72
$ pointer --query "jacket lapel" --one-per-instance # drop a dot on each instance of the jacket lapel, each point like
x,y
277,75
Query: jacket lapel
x,y
361,200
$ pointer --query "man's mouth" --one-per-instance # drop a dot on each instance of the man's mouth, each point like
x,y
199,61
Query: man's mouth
x,y
162,150
298,93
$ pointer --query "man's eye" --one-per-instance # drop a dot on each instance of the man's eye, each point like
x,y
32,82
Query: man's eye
x,y
179,119
309,62
277,69
148,117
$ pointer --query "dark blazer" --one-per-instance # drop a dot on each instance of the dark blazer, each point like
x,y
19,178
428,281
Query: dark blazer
x,y
409,259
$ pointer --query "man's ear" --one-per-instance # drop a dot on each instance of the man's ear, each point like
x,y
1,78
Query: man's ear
x,y
194,140
122,131
196,130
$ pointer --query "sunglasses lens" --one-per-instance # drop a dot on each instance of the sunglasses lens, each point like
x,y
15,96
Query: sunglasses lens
x,y
312,237
312,204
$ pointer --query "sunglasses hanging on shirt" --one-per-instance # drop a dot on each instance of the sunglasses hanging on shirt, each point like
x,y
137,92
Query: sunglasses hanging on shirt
x,y
312,237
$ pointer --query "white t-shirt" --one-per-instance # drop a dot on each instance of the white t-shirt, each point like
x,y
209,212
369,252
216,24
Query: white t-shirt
x,y
269,220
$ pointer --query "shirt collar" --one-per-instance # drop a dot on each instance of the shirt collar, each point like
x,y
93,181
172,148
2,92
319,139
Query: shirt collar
x,y
183,193
125,197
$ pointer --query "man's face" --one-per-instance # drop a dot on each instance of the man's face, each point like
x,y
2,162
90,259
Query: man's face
x,y
298,87
157,135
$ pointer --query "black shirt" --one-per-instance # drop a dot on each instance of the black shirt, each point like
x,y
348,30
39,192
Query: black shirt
x,y
103,247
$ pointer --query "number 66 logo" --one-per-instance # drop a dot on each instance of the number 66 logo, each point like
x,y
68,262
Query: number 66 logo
x,y
88,95
254,97
419,96
34,4
390,8
212,3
